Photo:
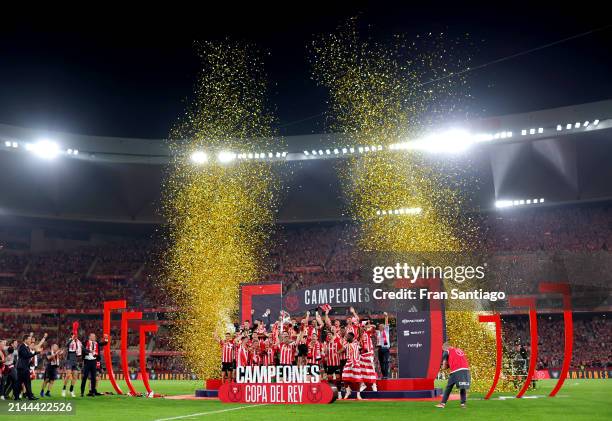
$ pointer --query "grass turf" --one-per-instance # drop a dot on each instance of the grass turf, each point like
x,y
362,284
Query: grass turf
x,y
578,400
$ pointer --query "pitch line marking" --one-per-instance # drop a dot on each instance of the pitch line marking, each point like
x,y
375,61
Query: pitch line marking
x,y
201,414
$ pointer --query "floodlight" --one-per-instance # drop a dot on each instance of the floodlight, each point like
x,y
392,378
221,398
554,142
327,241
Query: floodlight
x,y
46,149
199,157
451,141
225,157
503,203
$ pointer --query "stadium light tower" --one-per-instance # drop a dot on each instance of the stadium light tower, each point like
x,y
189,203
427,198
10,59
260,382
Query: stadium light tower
x,y
44,148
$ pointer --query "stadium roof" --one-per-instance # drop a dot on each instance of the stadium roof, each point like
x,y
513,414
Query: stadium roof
x,y
550,154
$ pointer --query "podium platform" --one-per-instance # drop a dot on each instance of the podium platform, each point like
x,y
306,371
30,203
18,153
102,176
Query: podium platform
x,y
387,389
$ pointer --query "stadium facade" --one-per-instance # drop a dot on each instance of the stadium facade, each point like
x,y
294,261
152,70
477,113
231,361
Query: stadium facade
x,y
561,155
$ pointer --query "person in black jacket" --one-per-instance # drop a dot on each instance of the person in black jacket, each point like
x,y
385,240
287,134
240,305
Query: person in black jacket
x,y
26,351
91,352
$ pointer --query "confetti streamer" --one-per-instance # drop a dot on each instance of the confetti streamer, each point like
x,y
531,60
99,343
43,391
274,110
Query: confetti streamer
x,y
378,97
220,215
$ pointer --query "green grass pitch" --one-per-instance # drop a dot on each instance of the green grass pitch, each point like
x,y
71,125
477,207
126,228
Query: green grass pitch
x,y
578,400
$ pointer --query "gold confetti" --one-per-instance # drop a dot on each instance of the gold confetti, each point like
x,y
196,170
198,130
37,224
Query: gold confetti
x,y
220,216
381,94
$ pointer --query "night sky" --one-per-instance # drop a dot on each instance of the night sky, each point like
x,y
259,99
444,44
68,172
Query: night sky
x,y
126,74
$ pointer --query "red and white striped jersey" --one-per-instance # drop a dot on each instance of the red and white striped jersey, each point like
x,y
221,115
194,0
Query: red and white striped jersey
x,y
314,352
310,330
366,342
352,352
268,355
333,356
242,356
74,345
255,357
227,351
353,328
344,343
287,353
93,348
54,361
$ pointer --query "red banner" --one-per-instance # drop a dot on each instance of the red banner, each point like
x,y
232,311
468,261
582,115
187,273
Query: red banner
x,y
277,393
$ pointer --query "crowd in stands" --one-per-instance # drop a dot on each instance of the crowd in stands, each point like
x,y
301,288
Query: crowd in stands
x,y
328,256
591,345
303,255
580,228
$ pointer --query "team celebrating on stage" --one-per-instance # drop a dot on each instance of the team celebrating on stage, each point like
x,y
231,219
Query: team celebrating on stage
x,y
344,352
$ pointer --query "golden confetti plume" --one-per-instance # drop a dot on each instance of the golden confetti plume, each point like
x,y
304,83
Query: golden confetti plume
x,y
220,215
382,94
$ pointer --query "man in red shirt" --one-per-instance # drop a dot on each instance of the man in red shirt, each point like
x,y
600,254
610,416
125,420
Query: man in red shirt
x,y
455,360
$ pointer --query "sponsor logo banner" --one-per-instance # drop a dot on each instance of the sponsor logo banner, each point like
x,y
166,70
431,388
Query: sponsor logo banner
x,y
413,343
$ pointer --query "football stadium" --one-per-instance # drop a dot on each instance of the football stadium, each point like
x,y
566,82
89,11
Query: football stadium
x,y
398,255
